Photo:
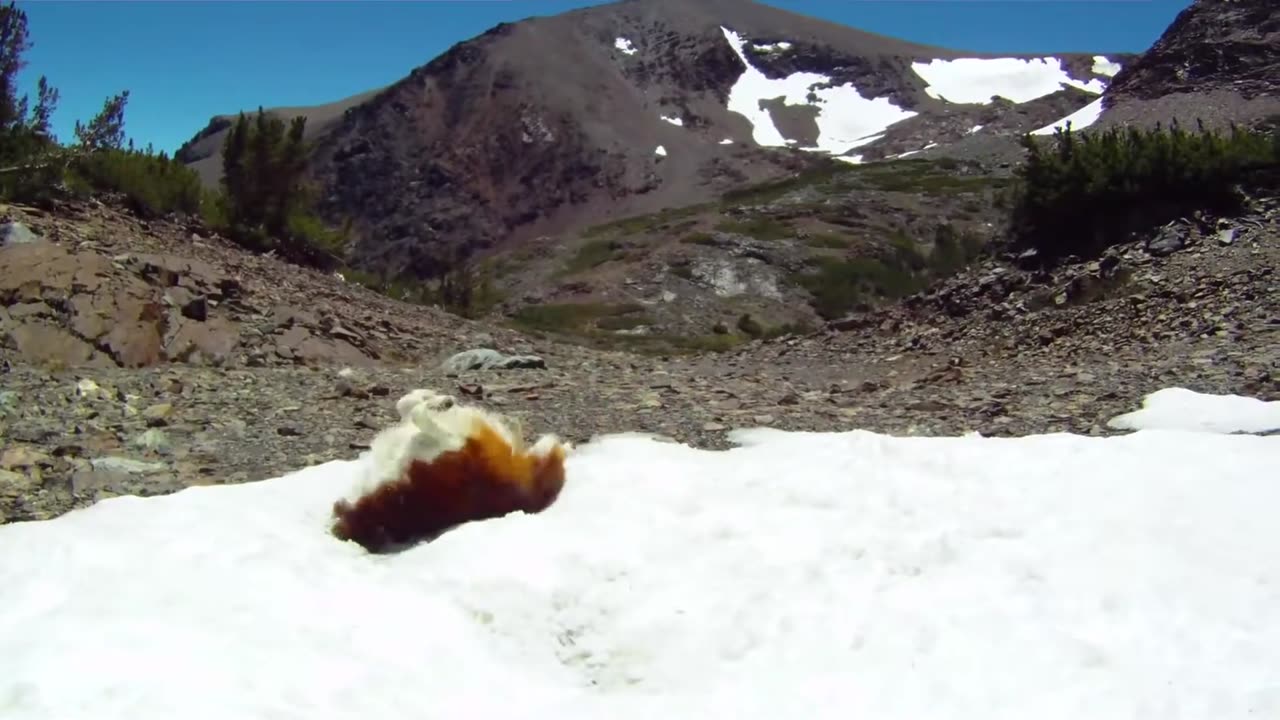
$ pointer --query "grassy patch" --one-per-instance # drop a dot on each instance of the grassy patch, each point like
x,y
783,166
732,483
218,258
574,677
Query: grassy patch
x,y
699,238
839,285
828,241
644,223
759,228
681,269
592,254
572,317
597,325
767,192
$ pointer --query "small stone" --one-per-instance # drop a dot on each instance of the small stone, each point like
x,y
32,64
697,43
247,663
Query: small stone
x,y
21,457
763,419
154,440
158,415
713,427
288,431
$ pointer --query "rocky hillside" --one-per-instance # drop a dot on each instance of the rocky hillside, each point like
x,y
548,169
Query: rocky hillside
x,y
549,125
772,258
1219,61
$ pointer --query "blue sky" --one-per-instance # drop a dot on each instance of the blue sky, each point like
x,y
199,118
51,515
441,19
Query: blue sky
x,y
184,61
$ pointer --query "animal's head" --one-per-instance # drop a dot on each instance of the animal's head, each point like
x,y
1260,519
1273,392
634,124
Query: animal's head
x,y
430,399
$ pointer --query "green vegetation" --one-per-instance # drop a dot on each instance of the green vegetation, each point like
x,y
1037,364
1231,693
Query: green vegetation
x,y
839,285
827,241
645,223
934,177
36,168
572,317
598,325
466,289
759,228
264,202
699,238
770,191
594,253
1079,194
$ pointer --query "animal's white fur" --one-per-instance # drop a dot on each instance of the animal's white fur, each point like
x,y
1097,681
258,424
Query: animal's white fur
x,y
432,424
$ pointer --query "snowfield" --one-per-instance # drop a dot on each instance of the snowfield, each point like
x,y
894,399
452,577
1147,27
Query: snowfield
x,y
845,118
1080,119
976,80
807,575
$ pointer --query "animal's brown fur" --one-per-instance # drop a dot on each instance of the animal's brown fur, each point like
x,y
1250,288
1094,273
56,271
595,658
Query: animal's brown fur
x,y
487,478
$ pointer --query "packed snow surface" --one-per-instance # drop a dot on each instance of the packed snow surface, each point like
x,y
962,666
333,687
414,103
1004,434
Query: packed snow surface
x,y
815,575
1182,409
1103,66
845,119
625,46
976,80
1080,119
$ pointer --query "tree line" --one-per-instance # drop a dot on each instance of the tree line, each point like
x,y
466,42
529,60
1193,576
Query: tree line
x,y
263,202
1080,193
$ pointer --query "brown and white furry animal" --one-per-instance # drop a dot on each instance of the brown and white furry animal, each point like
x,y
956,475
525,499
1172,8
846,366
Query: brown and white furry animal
x,y
445,464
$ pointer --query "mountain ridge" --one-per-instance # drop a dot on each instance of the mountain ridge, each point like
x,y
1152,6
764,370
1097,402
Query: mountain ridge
x,y
554,123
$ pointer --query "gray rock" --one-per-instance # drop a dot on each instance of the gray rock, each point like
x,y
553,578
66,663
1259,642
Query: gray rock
x,y
125,466
15,233
1169,240
488,359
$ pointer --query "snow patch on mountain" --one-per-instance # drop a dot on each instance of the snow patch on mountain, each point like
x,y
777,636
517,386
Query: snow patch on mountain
x,y
1080,119
845,118
660,151
625,46
674,120
1103,66
976,80
773,47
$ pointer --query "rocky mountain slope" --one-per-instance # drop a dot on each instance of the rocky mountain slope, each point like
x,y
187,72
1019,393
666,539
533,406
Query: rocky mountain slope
x,y
1218,61
549,125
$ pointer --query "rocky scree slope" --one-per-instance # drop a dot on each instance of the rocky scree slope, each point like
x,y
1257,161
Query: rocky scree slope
x,y
88,285
552,124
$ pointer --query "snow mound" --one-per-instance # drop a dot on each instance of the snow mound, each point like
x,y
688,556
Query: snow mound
x,y
816,575
625,46
1103,66
845,118
660,150
1080,119
1182,409
677,121
976,80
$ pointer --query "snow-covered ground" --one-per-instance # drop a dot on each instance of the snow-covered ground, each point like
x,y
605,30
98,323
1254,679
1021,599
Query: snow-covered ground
x,y
809,575
1080,119
845,118
674,119
624,45
976,80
